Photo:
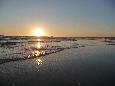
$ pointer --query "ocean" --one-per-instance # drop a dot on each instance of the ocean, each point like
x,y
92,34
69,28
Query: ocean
x,y
57,62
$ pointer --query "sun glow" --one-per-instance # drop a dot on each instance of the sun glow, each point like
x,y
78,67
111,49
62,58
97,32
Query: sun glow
x,y
38,31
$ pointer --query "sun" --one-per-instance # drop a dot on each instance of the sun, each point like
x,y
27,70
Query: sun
x,y
38,31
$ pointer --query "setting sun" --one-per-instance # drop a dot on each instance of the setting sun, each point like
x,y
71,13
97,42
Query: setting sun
x,y
38,31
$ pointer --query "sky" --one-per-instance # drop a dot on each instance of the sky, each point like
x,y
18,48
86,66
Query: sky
x,y
58,17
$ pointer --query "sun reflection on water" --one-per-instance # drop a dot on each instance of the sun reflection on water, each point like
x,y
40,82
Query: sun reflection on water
x,y
35,54
38,45
39,39
39,61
